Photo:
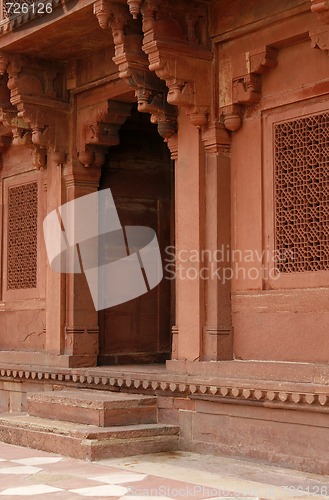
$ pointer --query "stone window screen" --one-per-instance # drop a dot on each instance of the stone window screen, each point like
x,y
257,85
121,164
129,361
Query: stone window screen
x,y
22,237
301,194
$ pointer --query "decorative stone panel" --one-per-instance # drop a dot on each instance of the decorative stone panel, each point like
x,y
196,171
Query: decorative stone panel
x,y
22,236
301,186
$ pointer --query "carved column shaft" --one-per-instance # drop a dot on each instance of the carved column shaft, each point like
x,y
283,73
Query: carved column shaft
x,y
55,282
189,226
217,332
81,326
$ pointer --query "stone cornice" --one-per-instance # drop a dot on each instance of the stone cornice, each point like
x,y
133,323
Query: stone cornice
x,y
270,394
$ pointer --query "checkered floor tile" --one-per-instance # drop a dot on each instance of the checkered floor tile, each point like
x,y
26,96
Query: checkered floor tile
x,y
28,473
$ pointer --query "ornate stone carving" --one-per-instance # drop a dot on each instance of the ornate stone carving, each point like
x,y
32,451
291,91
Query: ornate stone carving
x,y
247,88
320,35
22,236
216,140
321,9
301,208
320,38
134,7
162,113
39,158
173,147
8,112
4,61
232,117
133,63
279,394
178,51
98,129
35,108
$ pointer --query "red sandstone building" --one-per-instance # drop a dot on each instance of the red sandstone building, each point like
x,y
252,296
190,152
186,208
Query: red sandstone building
x,y
209,121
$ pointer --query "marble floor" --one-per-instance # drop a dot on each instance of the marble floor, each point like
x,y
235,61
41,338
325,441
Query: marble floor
x,y
26,473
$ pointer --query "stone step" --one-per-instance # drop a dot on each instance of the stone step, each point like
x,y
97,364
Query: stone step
x,y
100,408
87,442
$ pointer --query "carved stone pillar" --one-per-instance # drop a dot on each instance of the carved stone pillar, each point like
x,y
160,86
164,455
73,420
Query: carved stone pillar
x,y
217,332
97,129
55,282
81,325
190,241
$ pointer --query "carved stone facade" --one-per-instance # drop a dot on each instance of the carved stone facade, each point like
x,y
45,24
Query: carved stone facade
x,y
208,120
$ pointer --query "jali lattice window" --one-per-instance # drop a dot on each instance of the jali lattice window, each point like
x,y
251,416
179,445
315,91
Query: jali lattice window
x,y
22,236
302,194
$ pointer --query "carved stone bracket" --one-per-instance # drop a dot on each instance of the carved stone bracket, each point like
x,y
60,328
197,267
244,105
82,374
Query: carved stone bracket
x,y
34,107
232,117
178,52
162,113
247,88
320,36
321,9
39,158
98,129
132,63
10,126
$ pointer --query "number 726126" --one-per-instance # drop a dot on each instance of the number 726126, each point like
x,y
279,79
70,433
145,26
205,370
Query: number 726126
x,y
15,8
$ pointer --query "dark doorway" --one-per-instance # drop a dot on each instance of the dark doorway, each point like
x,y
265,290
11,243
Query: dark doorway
x,y
140,174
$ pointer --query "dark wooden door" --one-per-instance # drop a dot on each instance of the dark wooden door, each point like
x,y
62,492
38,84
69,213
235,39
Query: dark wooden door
x,y
139,173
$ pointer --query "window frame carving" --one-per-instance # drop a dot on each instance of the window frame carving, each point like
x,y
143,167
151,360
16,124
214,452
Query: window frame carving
x,y
23,293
